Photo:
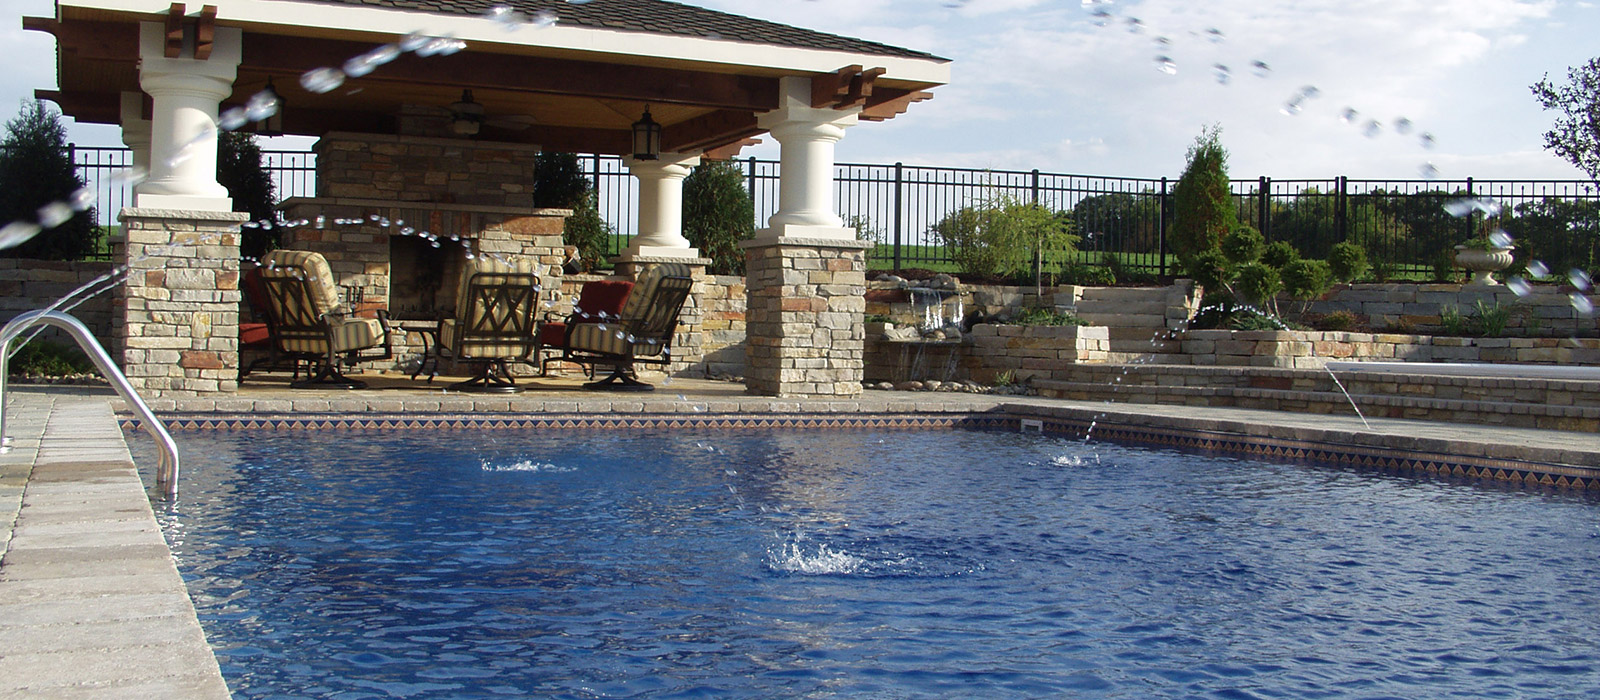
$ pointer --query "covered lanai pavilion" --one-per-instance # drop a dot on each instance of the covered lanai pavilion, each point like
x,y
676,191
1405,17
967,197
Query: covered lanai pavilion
x,y
542,74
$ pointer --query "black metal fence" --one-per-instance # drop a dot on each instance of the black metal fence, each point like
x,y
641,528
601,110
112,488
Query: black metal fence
x,y
1401,223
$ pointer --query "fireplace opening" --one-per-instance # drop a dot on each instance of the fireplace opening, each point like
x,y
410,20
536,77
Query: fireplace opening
x,y
423,279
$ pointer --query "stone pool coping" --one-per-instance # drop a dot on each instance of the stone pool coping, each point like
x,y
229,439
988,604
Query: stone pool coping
x,y
91,604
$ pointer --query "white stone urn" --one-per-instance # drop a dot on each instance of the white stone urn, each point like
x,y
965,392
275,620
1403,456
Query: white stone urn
x,y
1481,263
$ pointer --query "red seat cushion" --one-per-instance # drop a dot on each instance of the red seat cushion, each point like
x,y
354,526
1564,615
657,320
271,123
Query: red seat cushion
x,y
253,334
602,295
553,334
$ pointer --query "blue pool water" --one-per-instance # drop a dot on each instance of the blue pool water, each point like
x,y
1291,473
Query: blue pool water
x,y
416,564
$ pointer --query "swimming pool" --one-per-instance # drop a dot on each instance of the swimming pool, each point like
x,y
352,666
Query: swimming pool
x,y
367,564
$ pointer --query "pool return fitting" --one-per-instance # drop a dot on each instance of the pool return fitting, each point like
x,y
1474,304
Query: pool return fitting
x,y
167,463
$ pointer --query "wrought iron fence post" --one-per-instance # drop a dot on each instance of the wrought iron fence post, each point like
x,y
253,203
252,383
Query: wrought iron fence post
x,y
898,171
1264,206
750,183
1161,225
596,175
1341,213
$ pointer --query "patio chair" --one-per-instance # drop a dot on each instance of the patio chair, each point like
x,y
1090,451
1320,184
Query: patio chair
x,y
309,324
598,301
256,336
643,334
494,322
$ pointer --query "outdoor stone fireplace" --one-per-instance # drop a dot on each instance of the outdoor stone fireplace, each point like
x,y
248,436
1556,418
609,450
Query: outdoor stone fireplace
x,y
396,217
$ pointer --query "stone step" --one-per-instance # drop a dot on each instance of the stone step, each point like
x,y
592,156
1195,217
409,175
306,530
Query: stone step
x,y
1120,306
1129,294
1116,356
1113,320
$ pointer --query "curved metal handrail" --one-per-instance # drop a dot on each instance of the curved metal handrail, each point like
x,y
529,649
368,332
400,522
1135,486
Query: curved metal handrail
x,y
167,463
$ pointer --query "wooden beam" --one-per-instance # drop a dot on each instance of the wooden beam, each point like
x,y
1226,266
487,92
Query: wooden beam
x,y
488,71
174,46
95,41
205,32
728,151
714,128
860,88
827,89
86,107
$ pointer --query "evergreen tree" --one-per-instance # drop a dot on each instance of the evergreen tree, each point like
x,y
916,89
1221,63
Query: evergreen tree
x,y
36,170
239,170
558,180
717,214
1203,205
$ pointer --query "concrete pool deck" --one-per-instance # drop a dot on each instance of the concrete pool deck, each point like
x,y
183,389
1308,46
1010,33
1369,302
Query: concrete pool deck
x,y
92,605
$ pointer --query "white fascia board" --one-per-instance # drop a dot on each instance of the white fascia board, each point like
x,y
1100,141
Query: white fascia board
x,y
397,22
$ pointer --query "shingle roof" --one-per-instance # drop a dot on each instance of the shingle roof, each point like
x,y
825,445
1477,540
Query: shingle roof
x,y
656,17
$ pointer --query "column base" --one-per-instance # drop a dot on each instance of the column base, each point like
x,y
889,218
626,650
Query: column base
x,y
804,303
658,253
182,202
826,234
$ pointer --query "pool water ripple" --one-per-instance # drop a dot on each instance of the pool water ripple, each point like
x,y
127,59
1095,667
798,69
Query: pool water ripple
x,y
894,564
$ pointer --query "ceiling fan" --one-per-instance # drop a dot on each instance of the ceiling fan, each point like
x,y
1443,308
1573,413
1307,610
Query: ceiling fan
x,y
467,116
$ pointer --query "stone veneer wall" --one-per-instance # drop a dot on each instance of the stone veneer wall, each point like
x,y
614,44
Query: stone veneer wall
x,y
176,319
1418,307
1312,349
804,316
722,325
422,169
990,350
26,285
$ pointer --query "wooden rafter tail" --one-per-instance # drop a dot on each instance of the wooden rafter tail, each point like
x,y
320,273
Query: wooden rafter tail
x,y
205,32
828,89
860,88
893,107
48,25
174,44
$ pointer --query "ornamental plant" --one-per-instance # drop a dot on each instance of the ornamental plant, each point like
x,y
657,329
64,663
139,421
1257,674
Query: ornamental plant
x,y
1347,261
718,214
1203,204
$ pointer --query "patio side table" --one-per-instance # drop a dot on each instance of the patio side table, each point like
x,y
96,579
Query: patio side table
x,y
429,330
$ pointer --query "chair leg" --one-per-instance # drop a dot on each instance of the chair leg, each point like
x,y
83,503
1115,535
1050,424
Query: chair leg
x,y
327,374
620,379
493,376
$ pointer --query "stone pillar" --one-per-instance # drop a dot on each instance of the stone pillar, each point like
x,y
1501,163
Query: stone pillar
x,y
176,321
185,92
661,207
688,342
806,136
136,130
805,298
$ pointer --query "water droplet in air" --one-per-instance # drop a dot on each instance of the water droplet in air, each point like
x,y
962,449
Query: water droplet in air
x,y
1166,65
1538,269
1135,25
1215,35
1519,286
17,232
81,199
1348,116
601,327
1373,128
1428,171
1291,108
544,18
1426,140
1500,238
1582,304
1162,42
365,63
1102,17
1260,68
621,335
507,17
413,41
1222,73
1402,126
232,119
262,105
1310,91
1579,279
321,80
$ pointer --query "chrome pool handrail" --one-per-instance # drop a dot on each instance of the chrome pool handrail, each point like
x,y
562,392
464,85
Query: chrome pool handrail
x,y
167,462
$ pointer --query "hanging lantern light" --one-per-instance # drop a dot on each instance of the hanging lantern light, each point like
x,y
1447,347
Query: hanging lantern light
x,y
646,138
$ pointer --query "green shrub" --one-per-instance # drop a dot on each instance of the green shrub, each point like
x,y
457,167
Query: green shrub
x,y
1338,321
999,238
1243,245
1259,283
44,358
718,214
558,180
1087,274
1348,261
1203,208
588,231
1307,279
1452,322
1492,319
1037,316
1279,254
1444,267
35,170
1211,270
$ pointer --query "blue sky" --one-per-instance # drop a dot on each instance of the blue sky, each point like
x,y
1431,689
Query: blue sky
x,y
1036,84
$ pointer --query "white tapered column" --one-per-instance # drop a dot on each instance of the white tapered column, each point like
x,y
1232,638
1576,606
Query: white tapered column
x,y
184,93
136,130
661,207
806,136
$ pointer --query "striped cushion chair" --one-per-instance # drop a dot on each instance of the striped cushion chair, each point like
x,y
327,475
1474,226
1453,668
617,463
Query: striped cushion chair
x,y
311,325
644,334
494,322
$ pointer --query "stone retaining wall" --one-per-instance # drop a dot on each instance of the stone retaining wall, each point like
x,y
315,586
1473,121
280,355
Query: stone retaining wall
x,y
1311,349
987,353
1547,310
26,285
